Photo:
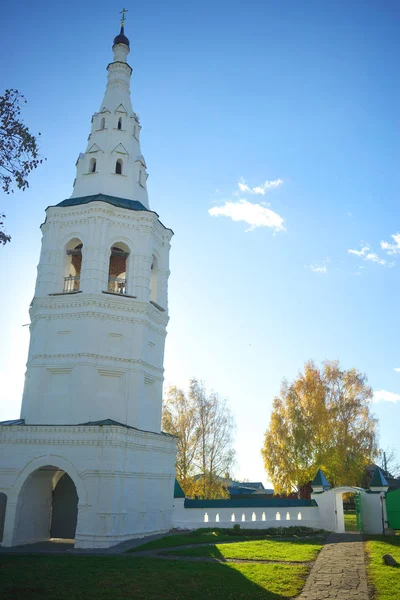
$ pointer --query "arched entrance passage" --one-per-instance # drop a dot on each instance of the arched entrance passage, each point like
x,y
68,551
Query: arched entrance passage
x,y
47,506
64,514
339,511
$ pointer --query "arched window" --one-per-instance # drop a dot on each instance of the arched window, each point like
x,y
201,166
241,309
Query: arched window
x,y
140,177
118,269
154,279
73,264
92,165
119,126
135,131
118,167
102,123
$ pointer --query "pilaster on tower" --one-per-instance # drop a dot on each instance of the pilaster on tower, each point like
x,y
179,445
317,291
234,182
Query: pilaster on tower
x,y
113,163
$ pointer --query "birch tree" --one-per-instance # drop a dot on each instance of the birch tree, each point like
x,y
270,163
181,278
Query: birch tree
x,y
321,420
204,426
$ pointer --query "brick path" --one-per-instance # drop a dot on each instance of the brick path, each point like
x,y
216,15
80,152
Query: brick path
x,y
339,571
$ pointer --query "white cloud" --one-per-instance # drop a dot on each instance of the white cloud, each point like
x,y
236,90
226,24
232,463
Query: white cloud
x,y
367,255
375,258
398,369
392,249
384,396
260,189
253,214
318,269
361,252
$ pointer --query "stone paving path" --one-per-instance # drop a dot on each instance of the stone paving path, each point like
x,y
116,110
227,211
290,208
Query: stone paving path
x,y
339,571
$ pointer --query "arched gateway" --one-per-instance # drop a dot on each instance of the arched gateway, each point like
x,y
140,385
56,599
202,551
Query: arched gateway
x,y
47,507
44,502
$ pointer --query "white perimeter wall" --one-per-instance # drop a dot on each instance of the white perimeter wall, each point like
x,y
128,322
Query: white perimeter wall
x,y
250,518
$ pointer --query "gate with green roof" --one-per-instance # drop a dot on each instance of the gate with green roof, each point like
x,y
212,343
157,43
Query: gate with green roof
x,y
393,509
358,502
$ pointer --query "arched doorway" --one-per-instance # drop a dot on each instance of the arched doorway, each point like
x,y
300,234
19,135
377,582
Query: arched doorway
x,y
64,509
344,498
47,507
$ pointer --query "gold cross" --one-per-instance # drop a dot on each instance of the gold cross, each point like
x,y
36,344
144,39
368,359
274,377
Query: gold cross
x,y
123,13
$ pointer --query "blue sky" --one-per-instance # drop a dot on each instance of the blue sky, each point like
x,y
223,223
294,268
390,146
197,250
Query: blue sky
x,y
301,94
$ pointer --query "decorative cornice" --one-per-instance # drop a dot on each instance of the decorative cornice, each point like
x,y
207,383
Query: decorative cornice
x,y
59,215
101,317
124,474
88,435
95,357
66,302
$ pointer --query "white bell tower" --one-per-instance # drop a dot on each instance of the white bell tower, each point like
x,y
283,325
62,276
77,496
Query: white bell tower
x,y
87,459
99,315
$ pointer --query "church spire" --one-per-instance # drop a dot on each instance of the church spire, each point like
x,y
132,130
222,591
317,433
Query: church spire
x,y
121,38
113,163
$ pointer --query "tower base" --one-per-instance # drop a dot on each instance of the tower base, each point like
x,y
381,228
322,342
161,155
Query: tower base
x,y
99,484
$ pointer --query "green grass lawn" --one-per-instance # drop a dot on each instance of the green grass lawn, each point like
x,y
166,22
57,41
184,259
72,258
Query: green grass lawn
x,y
350,523
185,539
208,535
385,580
60,577
283,550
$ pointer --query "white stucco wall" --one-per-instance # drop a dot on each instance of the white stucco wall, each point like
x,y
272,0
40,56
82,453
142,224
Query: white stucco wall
x,y
34,510
124,480
254,517
95,355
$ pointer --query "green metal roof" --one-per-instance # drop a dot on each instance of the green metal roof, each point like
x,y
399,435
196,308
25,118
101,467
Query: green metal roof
x,y
119,202
320,480
114,200
378,479
178,491
249,503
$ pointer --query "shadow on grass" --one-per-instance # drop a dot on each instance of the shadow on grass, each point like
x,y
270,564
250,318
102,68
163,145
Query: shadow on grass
x,y
220,535
294,551
125,577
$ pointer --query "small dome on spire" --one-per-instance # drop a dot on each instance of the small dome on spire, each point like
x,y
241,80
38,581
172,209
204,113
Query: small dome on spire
x,y
121,38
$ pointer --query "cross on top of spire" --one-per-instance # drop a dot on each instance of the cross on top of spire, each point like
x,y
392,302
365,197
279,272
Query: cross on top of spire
x,y
121,38
123,13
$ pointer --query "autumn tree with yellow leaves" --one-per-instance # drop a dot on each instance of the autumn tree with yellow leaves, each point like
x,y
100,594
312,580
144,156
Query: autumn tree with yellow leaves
x,y
203,425
321,420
